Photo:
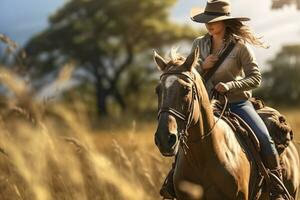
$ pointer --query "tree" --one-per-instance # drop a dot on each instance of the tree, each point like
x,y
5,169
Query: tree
x,y
105,38
276,4
282,81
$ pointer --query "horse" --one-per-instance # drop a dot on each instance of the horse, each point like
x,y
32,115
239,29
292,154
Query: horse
x,y
205,148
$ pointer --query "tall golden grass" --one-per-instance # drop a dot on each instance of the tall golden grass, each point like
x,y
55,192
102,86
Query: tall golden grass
x,y
50,152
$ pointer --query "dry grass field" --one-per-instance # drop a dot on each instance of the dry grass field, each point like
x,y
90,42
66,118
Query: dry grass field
x,y
53,154
48,151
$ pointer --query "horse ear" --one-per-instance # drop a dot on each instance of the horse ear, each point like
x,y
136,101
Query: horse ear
x,y
159,61
192,59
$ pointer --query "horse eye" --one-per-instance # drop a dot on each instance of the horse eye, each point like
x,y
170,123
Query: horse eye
x,y
186,90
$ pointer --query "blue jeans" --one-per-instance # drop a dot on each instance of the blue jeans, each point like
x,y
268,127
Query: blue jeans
x,y
247,112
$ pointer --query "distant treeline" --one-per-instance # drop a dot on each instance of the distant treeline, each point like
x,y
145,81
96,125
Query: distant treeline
x,y
281,83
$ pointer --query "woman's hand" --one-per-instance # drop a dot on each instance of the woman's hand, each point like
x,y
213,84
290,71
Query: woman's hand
x,y
209,62
222,88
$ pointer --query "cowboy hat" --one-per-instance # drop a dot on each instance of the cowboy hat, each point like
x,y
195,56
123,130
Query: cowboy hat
x,y
215,10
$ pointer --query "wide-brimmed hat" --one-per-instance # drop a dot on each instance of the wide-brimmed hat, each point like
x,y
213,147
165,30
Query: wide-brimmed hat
x,y
215,10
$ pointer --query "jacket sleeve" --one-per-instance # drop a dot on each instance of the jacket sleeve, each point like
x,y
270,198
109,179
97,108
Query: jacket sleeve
x,y
252,78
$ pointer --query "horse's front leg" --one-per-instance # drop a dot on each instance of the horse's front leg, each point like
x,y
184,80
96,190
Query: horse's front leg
x,y
186,179
213,193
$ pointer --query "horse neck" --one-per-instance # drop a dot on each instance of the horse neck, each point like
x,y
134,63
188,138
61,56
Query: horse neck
x,y
203,133
206,119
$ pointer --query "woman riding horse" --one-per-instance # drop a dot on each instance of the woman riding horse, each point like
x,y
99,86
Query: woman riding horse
x,y
236,76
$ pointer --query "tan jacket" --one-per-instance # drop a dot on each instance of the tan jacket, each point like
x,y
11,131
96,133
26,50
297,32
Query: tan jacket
x,y
239,70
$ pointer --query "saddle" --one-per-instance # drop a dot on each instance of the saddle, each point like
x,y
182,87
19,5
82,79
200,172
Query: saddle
x,y
278,127
279,130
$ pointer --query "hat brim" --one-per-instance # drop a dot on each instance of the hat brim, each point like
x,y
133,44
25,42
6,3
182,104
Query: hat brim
x,y
201,17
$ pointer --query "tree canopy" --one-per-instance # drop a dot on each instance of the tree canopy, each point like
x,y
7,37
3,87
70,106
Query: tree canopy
x,y
282,80
276,4
105,38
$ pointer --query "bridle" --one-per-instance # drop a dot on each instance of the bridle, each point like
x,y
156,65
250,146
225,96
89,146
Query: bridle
x,y
187,117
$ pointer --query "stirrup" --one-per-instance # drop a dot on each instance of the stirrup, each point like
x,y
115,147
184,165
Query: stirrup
x,y
278,185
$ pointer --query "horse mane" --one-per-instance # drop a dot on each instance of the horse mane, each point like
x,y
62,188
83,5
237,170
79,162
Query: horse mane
x,y
174,58
214,103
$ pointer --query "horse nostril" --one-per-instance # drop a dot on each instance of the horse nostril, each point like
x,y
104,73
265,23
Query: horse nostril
x,y
172,140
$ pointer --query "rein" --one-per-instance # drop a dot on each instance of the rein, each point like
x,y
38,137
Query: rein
x,y
187,117
215,95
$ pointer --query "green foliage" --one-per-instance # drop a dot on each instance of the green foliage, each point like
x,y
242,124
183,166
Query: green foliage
x,y
282,81
105,38
276,4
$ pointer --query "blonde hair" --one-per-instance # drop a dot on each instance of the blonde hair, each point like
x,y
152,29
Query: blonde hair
x,y
236,28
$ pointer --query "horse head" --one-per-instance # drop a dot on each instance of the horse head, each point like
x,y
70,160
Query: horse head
x,y
177,106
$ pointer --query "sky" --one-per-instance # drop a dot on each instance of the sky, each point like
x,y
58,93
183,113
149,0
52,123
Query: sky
x,y
20,19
